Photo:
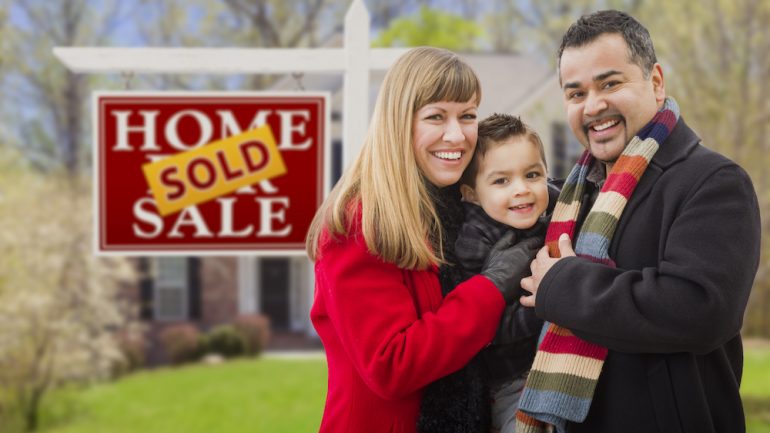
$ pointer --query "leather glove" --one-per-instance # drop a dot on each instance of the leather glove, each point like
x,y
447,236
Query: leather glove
x,y
517,323
507,263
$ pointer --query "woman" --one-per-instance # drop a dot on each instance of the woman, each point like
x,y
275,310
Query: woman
x,y
382,246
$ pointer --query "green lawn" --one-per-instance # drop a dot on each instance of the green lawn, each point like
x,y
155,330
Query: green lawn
x,y
263,395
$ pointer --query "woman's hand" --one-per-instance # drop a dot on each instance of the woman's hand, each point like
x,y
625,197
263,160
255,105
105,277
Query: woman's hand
x,y
508,262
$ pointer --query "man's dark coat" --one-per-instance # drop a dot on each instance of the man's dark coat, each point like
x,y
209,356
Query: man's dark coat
x,y
687,250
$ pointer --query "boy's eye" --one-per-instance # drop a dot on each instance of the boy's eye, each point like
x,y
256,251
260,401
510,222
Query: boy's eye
x,y
500,181
533,175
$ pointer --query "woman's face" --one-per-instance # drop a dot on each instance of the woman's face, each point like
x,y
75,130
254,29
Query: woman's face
x,y
444,137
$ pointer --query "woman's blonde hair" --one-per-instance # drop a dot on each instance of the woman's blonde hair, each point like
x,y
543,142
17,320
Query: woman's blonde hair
x,y
399,221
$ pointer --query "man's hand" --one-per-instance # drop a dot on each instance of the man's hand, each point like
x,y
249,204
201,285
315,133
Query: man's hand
x,y
540,266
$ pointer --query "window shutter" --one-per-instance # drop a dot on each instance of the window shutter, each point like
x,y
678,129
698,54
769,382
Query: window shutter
x,y
194,287
145,289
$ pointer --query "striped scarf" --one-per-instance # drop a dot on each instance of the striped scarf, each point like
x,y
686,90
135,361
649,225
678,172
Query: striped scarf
x,y
566,369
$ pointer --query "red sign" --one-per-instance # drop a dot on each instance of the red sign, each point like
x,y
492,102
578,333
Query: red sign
x,y
271,216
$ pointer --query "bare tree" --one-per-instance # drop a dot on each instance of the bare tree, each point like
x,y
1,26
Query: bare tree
x,y
49,100
535,27
383,12
283,23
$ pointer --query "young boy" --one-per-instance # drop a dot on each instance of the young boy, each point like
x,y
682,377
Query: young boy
x,y
505,188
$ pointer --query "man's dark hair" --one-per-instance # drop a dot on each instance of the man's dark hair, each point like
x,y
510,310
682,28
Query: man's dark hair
x,y
493,131
589,27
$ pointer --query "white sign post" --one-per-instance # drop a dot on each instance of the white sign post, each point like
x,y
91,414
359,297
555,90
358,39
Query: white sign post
x,y
355,59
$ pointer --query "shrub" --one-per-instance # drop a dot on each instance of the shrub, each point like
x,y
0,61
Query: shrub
x,y
224,340
133,348
255,329
181,343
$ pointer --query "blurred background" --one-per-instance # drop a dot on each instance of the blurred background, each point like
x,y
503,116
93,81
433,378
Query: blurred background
x,y
224,344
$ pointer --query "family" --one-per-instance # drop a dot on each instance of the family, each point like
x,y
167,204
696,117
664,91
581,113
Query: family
x,y
458,289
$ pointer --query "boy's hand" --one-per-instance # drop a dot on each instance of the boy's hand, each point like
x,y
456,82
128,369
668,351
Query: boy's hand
x,y
540,266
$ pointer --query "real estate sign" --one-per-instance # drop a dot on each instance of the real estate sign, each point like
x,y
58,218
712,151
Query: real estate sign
x,y
208,173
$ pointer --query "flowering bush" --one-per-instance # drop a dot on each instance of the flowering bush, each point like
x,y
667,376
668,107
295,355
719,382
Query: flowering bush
x,y
58,301
255,329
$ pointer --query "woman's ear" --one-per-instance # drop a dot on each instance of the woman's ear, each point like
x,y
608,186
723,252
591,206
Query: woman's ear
x,y
469,194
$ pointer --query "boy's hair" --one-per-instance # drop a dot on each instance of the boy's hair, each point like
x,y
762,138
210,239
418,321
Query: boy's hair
x,y
494,131
590,27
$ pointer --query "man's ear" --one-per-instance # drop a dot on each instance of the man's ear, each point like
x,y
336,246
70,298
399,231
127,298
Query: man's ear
x,y
469,194
658,84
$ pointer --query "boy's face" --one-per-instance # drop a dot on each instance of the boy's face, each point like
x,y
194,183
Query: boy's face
x,y
511,183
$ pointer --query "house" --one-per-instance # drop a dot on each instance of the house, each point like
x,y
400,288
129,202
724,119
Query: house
x,y
211,290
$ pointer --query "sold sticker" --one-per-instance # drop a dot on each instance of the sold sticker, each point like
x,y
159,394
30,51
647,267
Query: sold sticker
x,y
213,170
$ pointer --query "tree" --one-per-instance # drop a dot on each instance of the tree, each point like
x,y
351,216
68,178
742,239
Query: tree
x,y
383,13
431,27
720,74
48,100
59,303
535,27
236,23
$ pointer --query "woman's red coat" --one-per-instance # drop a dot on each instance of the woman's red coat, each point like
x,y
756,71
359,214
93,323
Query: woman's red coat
x,y
388,333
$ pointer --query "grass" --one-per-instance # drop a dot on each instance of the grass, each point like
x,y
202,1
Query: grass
x,y
755,387
264,395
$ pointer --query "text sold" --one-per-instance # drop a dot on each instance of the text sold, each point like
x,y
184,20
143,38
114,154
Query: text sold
x,y
213,170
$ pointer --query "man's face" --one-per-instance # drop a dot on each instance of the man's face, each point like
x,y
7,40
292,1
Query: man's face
x,y
607,98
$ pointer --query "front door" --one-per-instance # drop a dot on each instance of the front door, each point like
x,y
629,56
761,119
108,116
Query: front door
x,y
274,284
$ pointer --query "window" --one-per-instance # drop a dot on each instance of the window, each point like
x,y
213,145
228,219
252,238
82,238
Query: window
x,y
171,288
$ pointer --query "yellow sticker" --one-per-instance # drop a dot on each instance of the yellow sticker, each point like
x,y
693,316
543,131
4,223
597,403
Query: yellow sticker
x,y
213,170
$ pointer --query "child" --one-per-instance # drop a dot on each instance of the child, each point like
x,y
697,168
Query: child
x,y
505,189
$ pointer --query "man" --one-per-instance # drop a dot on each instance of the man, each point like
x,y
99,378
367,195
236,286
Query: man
x,y
666,253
